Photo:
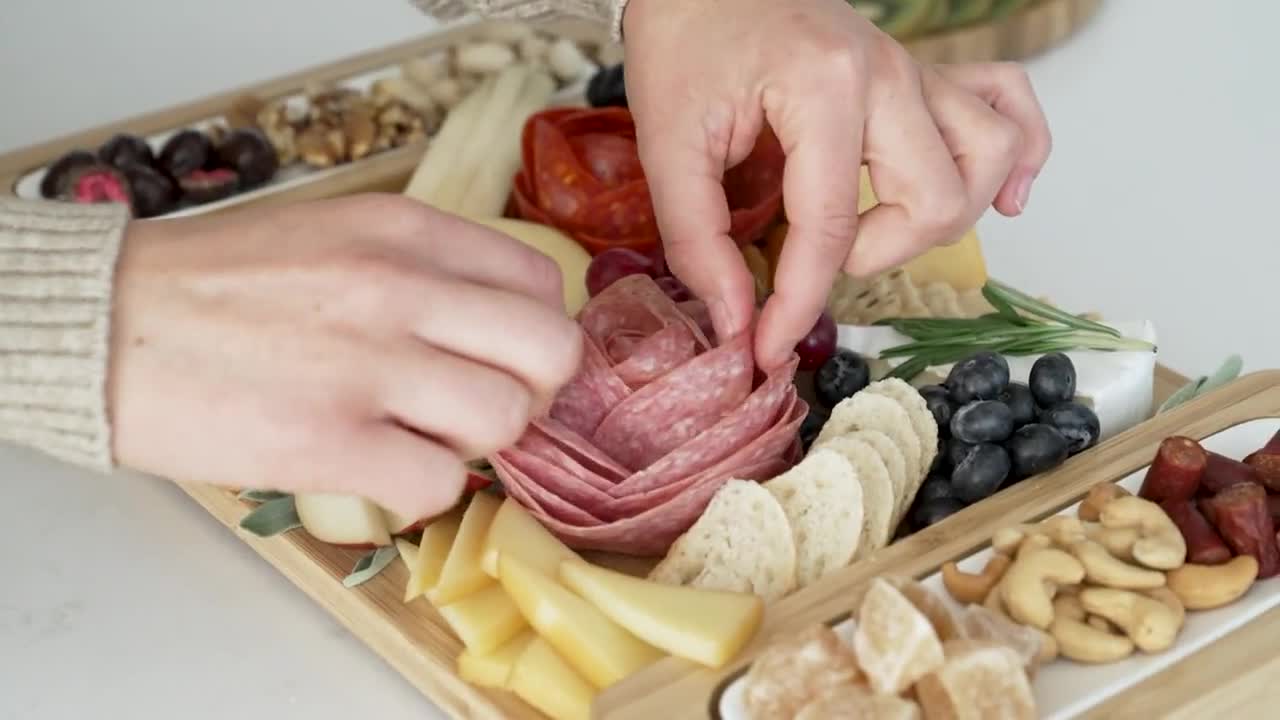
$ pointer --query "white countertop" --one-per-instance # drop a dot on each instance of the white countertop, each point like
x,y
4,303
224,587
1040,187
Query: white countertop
x,y
122,598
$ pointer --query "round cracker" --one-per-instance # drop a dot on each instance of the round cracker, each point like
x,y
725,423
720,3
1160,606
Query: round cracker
x,y
876,411
922,423
942,300
822,499
913,303
895,462
877,490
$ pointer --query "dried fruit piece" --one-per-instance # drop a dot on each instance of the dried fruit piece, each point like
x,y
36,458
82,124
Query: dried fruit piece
x,y
204,186
57,178
250,154
153,192
185,152
98,183
124,149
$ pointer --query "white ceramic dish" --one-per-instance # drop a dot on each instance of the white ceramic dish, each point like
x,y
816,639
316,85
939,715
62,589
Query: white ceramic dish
x,y
1066,689
296,174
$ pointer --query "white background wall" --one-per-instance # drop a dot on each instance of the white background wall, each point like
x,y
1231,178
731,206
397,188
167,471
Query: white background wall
x,y
121,597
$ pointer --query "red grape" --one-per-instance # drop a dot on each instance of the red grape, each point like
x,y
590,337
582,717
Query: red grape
x,y
659,256
614,264
674,289
819,345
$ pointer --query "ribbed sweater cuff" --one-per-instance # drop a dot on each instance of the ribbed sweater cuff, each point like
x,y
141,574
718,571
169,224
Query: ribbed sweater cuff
x,y
57,264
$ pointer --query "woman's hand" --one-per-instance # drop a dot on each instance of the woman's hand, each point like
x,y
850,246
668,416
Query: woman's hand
x,y
941,144
367,345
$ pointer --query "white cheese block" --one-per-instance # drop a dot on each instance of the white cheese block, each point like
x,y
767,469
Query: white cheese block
x,y
1117,385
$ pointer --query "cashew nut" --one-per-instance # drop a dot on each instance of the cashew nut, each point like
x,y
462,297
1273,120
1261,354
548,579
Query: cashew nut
x,y
1149,623
1025,589
1161,545
1007,540
1118,541
1171,599
1097,622
1099,495
1201,587
1048,647
1082,643
993,601
1103,569
973,587
1068,606
1031,543
1062,530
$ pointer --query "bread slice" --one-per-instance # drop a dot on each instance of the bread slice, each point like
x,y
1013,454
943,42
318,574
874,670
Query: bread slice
x,y
922,423
895,463
857,701
822,499
742,543
978,681
866,410
877,490
895,643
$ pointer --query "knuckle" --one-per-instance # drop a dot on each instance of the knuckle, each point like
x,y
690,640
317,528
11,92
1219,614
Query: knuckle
x,y
510,408
1006,139
1012,75
943,215
545,276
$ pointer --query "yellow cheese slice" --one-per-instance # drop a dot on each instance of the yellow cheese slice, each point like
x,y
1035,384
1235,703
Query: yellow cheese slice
x,y
544,680
572,258
593,644
437,539
493,669
408,553
461,574
484,619
705,626
516,532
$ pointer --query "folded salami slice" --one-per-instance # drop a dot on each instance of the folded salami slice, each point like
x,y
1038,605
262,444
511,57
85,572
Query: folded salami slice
x,y
655,421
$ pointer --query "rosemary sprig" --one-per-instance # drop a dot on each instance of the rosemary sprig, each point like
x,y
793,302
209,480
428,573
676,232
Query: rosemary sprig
x,y
1020,325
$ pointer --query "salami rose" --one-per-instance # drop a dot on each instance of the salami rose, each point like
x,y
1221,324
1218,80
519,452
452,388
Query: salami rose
x,y
657,418
581,173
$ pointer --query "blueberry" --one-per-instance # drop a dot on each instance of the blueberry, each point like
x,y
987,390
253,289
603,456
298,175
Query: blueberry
x,y
607,87
982,376
1036,448
812,425
957,451
982,421
981,472
935,486
1077,423
939,402
843,374
1053,379
925,514
1020,401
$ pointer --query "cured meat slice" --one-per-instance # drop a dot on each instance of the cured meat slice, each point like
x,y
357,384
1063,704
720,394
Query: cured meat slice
x,y
563,484
634,304
539,501
734,431
593,391
666,413
655,356
578,448
651,532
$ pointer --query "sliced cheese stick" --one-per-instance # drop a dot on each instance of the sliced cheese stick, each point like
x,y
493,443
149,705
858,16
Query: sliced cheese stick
x,y
486,194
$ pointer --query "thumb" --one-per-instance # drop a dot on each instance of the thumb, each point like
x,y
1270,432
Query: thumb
x,y
685,174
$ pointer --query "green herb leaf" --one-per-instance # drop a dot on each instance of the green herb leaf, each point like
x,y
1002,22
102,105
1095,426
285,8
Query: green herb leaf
x,y
1229,370
368,566
272,518
260,496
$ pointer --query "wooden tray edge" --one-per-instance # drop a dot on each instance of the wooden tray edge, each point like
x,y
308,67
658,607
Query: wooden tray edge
x,y
1035,29
675,689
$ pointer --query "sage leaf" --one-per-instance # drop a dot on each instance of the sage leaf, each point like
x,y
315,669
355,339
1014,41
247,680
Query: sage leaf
x,y
260,496
368,566
272,518
1229,370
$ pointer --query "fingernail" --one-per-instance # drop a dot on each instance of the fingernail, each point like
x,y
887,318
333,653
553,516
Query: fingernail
x,y
1023,192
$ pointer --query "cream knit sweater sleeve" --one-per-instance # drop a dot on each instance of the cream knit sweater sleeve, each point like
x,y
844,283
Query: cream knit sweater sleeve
x,y
57,264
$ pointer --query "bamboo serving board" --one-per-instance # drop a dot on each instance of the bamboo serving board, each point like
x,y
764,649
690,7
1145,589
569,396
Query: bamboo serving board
x,y
1034,29
418,644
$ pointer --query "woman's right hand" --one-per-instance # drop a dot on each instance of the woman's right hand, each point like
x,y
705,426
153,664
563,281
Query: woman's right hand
x,y
367,345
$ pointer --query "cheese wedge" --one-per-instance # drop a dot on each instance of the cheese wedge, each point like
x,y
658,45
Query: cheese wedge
x,y
493,669
485,619
544,680
461,574
516,532
408,553
437,539
592,643
705,626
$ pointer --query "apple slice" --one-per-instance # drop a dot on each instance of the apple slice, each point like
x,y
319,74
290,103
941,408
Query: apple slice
x,y
493,669
484,619
516,532
544,680
346,520
398,524
461,573
592,643
437,539
705,626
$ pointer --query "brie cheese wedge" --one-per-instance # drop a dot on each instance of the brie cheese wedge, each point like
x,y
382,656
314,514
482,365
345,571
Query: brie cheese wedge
x,y
1118,386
